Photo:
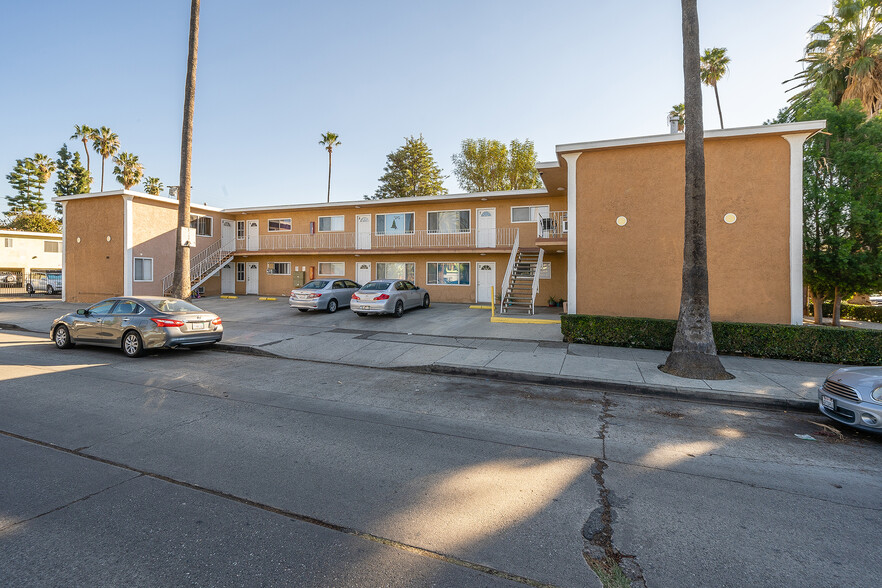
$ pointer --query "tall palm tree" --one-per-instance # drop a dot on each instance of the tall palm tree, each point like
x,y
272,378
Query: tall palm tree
x,y
105,143
153,186
679,110
84,133
329,140
181,284
694,353
714,65
128,170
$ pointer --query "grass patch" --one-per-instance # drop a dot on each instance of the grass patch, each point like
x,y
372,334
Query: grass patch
x,y
609,572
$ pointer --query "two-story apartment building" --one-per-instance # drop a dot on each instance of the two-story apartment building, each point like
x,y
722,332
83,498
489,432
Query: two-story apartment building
x,y
605,233
23,251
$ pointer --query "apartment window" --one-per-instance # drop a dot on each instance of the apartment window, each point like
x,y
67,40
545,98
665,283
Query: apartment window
x,y
450,221
143,269
545,272
396,270
240,230
527,214
202,224
332,268
448,273
51,247
279,224
330,223
394,224
240,271
7,242
279,268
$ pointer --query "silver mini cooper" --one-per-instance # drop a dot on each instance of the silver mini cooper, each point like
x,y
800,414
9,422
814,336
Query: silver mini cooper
x,y
853,396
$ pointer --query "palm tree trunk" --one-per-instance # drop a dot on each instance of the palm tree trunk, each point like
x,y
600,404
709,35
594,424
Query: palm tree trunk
x,y
329,175
181,286
694,354
86,149
720,110
103,159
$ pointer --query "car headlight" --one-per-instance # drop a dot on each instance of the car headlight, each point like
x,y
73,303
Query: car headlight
x,y
877,394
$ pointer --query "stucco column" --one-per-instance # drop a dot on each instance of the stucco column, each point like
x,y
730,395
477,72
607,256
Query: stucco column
x,y
796,142
128,224
571,159
63,251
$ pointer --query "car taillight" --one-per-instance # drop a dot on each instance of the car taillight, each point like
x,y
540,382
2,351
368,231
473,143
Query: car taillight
x,y
355,296
382,297
216,321
167,322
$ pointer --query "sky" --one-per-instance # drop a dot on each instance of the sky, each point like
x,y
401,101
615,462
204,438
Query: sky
x,y
273,75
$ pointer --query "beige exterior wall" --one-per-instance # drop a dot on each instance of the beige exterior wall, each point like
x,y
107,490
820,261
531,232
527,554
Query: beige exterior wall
x,y
95,249
24,251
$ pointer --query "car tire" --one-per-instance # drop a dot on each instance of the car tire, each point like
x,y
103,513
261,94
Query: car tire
x,y
332,306
132,345
426,301
303,309
29,289
62,339
399,309
361,313
50,290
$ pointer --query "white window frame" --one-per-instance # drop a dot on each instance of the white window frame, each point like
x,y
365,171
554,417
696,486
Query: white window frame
x,y
533,209
278,220
55,244
196,218
384,214
240,264
332,230
135,269
411,278
272,265
428,263
342,274
440,232
240,234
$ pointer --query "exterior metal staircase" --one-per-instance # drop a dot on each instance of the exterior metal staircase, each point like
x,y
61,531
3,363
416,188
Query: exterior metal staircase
x,y
204,264
520,291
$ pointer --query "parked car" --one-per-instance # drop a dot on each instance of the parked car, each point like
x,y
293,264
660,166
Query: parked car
x,y
323,295
853,396
136,324
388,297
8,279
49,282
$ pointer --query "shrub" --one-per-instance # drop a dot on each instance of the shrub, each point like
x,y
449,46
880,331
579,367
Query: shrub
x,y
855,312
796,342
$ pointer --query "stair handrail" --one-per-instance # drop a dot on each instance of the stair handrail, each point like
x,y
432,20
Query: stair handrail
x,y
536,273
511,260
216,252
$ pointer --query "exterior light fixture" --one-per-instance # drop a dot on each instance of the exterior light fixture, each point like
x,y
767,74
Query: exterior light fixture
x,y
108,238
621,221
730,218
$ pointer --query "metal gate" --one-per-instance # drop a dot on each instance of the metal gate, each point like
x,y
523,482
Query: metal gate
x,y
34,282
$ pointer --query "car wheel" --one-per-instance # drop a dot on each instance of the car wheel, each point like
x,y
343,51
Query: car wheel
x,y
62,337
332,306
361,313
132,344
399,309
426,301
303,309
50,290
29,289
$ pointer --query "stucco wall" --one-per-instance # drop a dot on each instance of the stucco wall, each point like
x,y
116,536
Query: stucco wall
x,y
93,264
28,251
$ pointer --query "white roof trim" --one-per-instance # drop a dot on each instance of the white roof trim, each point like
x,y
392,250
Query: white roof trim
x,y
132,193
780,129
547,164
29,234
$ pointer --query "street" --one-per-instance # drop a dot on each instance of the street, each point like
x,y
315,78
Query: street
x,y
215,468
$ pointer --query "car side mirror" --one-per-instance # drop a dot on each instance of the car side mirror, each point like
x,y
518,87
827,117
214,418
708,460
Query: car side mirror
x,y
83,312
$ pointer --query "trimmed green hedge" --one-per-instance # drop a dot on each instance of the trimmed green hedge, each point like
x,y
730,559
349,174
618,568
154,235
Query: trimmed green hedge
x,y
801,343
855,312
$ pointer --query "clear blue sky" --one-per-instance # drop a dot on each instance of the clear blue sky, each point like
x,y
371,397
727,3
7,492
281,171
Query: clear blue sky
x,y
273,75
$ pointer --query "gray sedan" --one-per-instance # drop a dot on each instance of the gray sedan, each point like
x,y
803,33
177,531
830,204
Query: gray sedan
x,y
388,297
323,295
853,396
136,324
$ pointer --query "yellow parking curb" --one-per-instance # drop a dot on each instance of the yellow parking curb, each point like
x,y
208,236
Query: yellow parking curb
x,y
481,307
532,321
230,297
266,298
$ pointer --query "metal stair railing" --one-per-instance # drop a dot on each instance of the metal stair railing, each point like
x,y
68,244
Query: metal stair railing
x,y
204,264
537,269
506,281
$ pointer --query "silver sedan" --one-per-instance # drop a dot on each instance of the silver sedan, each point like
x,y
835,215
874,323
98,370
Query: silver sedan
x,y
323,295
853,396
388,297
136,324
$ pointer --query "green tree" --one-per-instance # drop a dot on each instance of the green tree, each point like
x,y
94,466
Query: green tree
x,y
410,171
27,183
679,110
714,65
153,186
72,177
85,133
694,353
105,143
128,170
31,221
329,141
488,165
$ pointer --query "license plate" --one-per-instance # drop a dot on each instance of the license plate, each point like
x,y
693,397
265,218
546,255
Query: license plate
x,y
365,307
198,326
828,403
302,297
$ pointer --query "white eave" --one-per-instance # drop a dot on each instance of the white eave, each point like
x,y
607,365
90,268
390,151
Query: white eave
x,y
9,233
132,193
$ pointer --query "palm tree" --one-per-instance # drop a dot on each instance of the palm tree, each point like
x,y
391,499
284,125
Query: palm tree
x,y
105,143
679,110
694,353
128,170
153,186
714,65
44,165
181,284
84,133
329,140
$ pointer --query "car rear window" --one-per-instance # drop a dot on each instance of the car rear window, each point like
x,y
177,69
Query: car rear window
x,y
375,286
175,305
315,285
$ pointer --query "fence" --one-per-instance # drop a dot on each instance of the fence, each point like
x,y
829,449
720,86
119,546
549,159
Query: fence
x,y
30,283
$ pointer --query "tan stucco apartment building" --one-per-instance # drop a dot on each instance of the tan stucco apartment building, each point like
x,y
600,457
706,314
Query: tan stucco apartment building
x,y
607,229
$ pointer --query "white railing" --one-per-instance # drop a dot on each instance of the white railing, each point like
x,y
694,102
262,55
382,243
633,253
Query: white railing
x,y
536,272
203,263
511,260
554,224
482,238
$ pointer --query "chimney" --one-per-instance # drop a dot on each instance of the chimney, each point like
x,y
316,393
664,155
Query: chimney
x,y
673,123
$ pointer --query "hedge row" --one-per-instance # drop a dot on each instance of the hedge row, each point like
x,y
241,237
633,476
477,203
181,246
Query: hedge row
x,y
801,343
855,312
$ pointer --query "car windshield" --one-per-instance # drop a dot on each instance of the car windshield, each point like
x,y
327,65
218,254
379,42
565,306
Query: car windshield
x,y
315,285
175,305
54,274
375,286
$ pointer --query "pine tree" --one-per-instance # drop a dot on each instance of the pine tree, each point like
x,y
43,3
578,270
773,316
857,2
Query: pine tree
x,y
72,177
410,171
26,180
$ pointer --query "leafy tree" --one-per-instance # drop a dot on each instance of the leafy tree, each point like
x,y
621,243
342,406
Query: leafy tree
x,y
31,221
128,170
694,353
84,133
714,65
72,178
487,165
679,110
329,141
106,143
152,186
410,171
26,179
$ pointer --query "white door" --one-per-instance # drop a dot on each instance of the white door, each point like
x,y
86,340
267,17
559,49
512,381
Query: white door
x,y
228,235
252,275
486,280
363,272
228,279
362,231
253,243
486,227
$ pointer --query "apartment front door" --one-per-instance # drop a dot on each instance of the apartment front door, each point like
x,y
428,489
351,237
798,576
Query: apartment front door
x,y
363,272
252,275
362,231
228,235
486,281
228,279
486,227
253,242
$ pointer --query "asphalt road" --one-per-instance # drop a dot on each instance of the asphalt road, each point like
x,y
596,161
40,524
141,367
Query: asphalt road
x,y
210,468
